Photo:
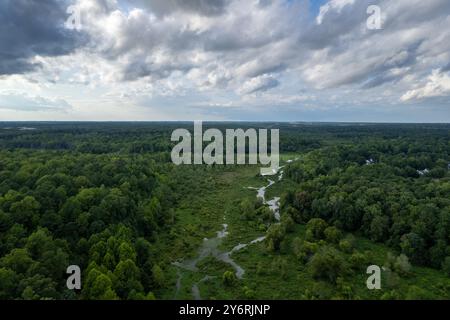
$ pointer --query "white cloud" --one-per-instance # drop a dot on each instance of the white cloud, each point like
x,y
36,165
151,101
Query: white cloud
x,y
438,85
333,5
25,102
244,53
261,83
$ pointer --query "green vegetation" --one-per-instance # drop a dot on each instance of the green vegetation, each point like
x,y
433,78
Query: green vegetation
x,y
107,198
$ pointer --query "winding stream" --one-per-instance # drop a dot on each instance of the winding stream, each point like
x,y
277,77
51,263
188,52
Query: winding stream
x,y
210,247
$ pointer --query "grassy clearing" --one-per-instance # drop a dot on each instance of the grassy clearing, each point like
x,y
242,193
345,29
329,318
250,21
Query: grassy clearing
x,y
268,275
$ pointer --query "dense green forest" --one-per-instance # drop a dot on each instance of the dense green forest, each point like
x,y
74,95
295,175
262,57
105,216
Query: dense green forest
x,y
106,197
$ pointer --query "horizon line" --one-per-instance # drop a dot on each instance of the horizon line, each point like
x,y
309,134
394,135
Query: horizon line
x,y
215,121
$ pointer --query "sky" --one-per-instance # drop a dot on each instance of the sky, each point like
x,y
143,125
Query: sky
x,y
264,60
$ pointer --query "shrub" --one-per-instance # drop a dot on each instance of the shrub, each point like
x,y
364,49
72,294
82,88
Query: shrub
x,y
345,246
327,264
333,234
402,265
229,278
280,267
416,293
275,235
315,229
358,261
288,223
158,276
249,293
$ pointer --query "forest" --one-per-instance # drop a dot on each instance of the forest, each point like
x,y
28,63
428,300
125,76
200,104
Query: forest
x,y
106,197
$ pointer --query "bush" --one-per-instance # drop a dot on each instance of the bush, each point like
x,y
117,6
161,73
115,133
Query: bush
x,y
266,214
249,293
158,276
229,278
399,265
402,265
297,245
295,214
280,267
416,293
345,246
327,264
333,234
247,210
414,247
358,261
303,250
315,229
390,261
390,295
275,236
288,223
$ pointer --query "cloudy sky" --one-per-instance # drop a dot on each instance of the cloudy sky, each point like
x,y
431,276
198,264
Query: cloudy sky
x,y
286,60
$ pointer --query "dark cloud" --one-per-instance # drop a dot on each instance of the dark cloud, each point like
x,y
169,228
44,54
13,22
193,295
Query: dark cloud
x,y
140,68
266,68
31,27
203,7
446,68
383,74
380,80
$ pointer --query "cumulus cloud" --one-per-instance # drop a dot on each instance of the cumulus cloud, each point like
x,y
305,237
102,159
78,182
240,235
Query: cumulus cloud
x,y
348,54
233,48
139,43
261,83
438,85
249,39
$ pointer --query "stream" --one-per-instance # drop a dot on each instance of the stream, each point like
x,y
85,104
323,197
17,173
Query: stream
x,y
210,247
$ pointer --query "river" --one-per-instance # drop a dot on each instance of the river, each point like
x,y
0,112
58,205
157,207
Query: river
x,y
210,247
